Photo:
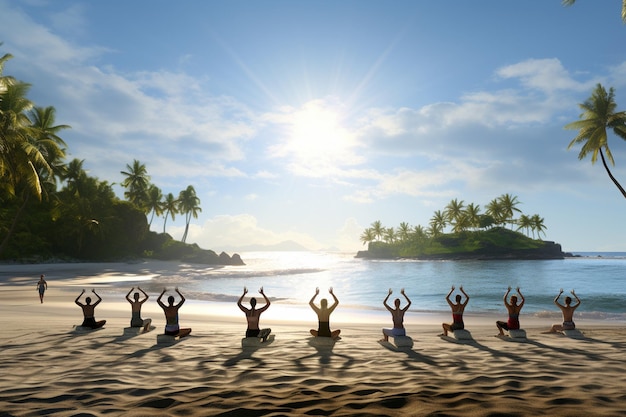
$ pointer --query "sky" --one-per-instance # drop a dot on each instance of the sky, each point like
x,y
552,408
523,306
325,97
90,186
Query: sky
x,y
307,121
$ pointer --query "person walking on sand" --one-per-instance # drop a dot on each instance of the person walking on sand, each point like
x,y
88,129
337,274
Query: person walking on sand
x,y
88,311
323,315
458,309
397,316
136,320
514,310
568,313
171,315
42,286
253,315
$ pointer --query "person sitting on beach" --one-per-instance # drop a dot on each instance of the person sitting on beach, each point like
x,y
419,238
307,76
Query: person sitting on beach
x,y
88,311
171,315
323,315
42,286
136,320
514,310
397,316
253,315
457,312
568,313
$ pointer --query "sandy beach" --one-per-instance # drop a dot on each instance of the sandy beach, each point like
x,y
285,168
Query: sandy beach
x,y
50,369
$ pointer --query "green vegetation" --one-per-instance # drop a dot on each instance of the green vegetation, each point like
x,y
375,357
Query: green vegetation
x,y
52,209
571,2
471,234
599,115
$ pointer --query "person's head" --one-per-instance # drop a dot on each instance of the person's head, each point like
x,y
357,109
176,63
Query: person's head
x,y
568,301
324,303
88,300
397,302
253,302
514,299
41,277
170,299
136,296
458,298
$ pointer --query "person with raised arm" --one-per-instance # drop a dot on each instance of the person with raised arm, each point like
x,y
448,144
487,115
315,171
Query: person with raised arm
x,y
323,315
253,315
397,316
514,309
458,308
172,327
568,312
88,311
136,303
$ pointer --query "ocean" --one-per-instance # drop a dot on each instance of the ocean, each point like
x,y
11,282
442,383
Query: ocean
x,y
290,278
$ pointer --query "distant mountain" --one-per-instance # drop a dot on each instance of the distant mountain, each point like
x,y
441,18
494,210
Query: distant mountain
x,y
285,246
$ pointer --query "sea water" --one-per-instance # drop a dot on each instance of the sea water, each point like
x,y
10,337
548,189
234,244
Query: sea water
x,y
290,278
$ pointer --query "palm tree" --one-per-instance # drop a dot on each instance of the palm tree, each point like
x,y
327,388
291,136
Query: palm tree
x,y
403,231
378,229
537,224
525,222
136,182
509,205
189,204
367,236
472,211
154,201
570,2
496,211
437,223
598,115
170,208
389,235
454,210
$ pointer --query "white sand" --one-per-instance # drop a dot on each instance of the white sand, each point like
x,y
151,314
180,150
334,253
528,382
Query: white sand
x,y
48,369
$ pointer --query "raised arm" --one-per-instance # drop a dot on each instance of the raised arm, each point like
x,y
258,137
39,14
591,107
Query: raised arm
x,y
78,298
311,302
267,301
128,295
448,297
577,299
407,300
556,299
336,303
239,302
159,302
506,296
521,296
99,298
467,297
144,294
182,298
387,299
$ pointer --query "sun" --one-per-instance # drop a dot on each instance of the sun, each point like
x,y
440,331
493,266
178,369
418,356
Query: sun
x,y
317,138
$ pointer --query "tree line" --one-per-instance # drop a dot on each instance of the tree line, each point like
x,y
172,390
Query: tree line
x,y
460,217
52,208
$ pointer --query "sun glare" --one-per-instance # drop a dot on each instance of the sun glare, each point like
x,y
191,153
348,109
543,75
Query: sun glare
x,y
316,137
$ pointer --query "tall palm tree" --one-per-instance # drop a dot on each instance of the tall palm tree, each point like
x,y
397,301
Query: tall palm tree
x,y
437,223
472,211
154,202
389,235
454,210
537,224
509,206
136,183
570,2
525,222
403,231
170,208
598,115
188,204
367,236
496,211
378,229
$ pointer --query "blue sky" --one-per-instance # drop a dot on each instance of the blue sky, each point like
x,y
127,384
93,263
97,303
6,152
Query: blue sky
x,y
309,120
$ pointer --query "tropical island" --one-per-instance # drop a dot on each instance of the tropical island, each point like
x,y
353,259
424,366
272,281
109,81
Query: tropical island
x,y
471,235
53,210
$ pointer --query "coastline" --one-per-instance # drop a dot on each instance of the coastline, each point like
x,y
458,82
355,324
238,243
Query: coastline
x,y
50,369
